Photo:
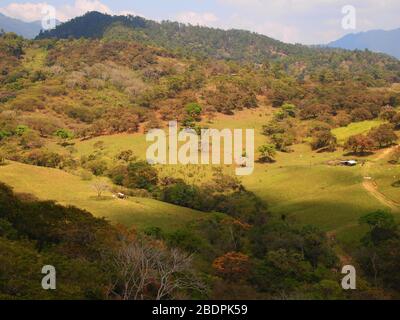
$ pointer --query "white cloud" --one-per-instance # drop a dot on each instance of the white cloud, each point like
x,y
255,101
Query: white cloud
x,y
80,7
33,11
195,18
311,21
305,21
24,11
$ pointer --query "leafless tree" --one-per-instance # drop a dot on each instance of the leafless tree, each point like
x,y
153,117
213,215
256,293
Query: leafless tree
x,y
145,271
100,188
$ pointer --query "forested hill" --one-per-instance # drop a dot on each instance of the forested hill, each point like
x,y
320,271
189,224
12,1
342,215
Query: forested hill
x,y
236,45
232,44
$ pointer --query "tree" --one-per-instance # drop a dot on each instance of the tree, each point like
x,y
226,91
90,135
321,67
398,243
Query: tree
x,y
378,219
267,153
232,266
189,196
396,121
125,155
289,109
141,175
64,135
282,141
96,166
379,254
387,113
194,110
100,188
383,136
324,140
147,271
361,114
359,144
286,110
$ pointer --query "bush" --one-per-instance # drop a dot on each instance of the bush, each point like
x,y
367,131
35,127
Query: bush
x,y
141,175
267,152
83,114
185,195
27,104
96,166
44,158
118,174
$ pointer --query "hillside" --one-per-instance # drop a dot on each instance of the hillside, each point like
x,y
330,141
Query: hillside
x,y
374,40
76,103
28,30
237,45
53,184
232,44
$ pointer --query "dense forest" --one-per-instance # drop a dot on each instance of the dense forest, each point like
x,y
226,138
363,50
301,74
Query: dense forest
x,y
99,75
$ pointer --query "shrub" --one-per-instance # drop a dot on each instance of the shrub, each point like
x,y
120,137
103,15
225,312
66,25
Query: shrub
x,y
141,175
267,152
96,166
44,158
28,104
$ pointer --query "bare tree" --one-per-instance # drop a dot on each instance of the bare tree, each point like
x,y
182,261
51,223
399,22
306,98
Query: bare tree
x,y
145,271
100,188
174,274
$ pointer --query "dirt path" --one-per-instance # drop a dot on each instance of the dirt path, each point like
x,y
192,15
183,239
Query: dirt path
x,y
344,258
372,188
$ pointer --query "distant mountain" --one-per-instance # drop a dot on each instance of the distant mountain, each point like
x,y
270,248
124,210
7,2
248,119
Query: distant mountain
x,y
375,40
28,30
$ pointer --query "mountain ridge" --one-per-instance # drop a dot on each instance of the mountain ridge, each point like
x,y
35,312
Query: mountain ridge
x,y
232,44
384,41
28,30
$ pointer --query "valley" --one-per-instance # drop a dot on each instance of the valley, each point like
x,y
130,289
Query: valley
x,y
76,187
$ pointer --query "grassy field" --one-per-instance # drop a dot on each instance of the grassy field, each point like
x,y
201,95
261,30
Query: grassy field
x,y
34,59
343,133
385,174
68,189
300,184
303,186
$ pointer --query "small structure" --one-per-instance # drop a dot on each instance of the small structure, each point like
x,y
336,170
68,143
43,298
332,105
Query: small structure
x,y
121,196
349,163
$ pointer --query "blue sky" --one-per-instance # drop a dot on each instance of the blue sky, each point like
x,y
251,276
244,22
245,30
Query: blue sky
x,y
304,21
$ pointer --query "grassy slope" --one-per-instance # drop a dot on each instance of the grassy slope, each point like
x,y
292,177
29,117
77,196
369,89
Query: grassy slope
x,y
300,184
385,174
34,59
343,133
68,189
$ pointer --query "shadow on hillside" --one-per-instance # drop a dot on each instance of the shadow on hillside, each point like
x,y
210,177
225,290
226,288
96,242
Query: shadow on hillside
x,y
358,154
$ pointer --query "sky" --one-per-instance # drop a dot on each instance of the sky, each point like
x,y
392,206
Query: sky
x,y
293,21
